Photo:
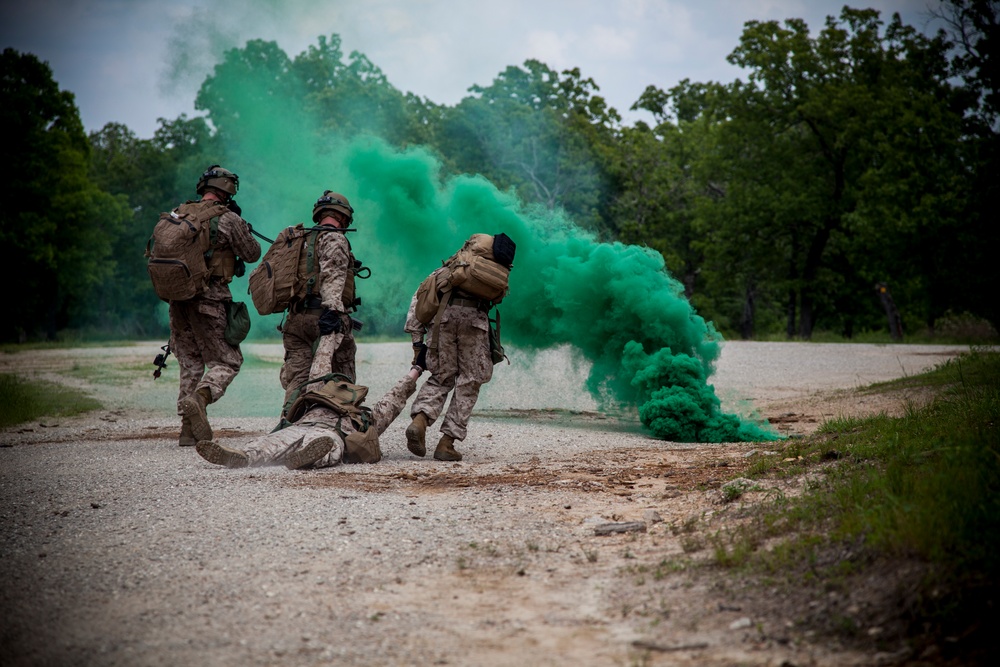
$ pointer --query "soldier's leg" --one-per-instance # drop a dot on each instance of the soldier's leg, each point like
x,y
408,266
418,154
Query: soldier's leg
x,y
184,345
427,406
475,369
269,449
222,360
298,337
272,448
442,362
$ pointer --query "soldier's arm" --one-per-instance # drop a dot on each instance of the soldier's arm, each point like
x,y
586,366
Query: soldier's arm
x,y
413,326
334,258
323,359
389,406
236,230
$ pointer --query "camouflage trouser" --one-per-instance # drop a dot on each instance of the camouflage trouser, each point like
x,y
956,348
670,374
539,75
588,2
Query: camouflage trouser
x,y
319,421
299,334
197,339
460,363
272,448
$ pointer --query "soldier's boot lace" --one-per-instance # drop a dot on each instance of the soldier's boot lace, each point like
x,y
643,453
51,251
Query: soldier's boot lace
x,y
187,438
415,433
446,450
222,456
193,409
309,454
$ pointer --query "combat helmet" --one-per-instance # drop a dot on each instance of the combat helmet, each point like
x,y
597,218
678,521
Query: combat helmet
x,y
220,179
332,201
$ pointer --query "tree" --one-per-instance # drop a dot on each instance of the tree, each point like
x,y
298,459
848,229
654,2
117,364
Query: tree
x,y
539,133
56,227
843,152
153,175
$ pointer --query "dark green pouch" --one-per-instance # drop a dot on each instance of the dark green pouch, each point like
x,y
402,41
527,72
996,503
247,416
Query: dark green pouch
x,y
237,322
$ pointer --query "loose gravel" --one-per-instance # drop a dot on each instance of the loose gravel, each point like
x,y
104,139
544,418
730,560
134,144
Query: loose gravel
x,y
120,548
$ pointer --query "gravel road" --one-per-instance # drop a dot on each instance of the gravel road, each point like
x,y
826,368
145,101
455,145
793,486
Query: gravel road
x,y
120,548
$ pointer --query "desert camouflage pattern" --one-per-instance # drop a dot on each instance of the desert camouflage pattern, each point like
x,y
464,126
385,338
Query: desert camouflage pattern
x,y
300,332
319,421
197,326
459,365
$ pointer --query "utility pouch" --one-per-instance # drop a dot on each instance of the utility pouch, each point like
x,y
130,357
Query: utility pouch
x,y
362,447
496,347
237,322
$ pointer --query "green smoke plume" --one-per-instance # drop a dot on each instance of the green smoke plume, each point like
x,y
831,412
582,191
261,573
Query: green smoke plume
x,y
615,303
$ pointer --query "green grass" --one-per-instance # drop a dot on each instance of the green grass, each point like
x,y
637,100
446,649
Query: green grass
x,y
924,487
23,401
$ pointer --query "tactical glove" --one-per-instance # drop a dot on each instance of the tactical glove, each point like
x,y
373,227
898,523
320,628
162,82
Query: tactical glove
x,y
420,356
330,322
234,207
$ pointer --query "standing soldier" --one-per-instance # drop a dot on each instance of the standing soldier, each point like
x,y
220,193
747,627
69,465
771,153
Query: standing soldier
x,y
201,326
459,354
318,335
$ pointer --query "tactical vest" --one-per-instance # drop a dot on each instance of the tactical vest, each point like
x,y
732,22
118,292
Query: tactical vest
x,y
345,398
312,279
221,261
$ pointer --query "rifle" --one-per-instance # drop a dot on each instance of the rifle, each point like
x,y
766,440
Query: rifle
x,y
161,360
322,228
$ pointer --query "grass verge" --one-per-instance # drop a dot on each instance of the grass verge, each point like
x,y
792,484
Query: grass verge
x,y
922,489
23,401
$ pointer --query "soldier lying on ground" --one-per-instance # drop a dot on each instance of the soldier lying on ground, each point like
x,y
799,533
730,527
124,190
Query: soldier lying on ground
x,y
328,425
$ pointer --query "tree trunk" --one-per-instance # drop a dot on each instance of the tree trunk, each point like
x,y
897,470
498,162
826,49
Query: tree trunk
x,y
749,312
891,312
807,318
790,321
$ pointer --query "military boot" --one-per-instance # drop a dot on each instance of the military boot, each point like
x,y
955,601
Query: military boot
x,y
304,457
187,438
446,450
193,409
222,456
415,435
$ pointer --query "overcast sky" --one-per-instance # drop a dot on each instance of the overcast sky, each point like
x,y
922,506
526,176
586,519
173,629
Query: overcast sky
x,y
133,61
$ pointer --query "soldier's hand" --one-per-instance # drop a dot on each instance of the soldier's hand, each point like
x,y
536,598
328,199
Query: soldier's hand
x,y
330,322
234,207
420,356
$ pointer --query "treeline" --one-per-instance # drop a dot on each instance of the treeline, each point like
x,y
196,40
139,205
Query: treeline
x,y
864,155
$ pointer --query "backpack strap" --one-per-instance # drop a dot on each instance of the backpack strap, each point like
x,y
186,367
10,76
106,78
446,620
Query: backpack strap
x,y
445,299
311,260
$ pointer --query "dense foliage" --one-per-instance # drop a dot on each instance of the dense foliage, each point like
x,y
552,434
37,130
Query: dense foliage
x,y
864,153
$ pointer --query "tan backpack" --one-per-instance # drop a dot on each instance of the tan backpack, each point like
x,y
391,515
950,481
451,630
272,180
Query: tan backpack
x,y
289,271
180,250
472,269
274,282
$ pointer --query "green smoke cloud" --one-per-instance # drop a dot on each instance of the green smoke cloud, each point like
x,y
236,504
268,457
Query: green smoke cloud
x,y
615,303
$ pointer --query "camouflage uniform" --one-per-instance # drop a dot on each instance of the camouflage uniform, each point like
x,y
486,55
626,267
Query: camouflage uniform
x,y
304,357
459,363
317,422
197,326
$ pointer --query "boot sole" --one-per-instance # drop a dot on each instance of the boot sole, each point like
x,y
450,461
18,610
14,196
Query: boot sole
x,y
222,456
415,441
200,428
447,457
312,452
